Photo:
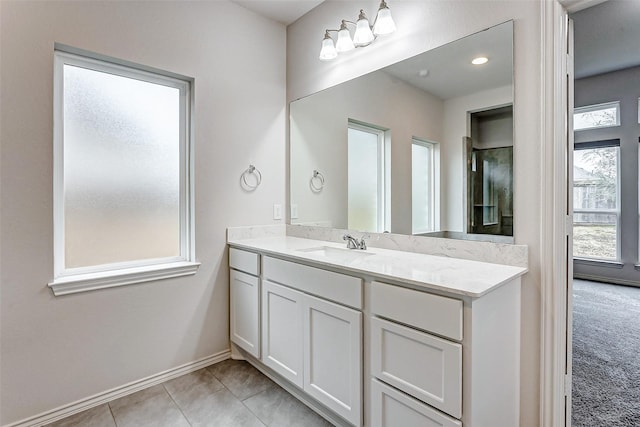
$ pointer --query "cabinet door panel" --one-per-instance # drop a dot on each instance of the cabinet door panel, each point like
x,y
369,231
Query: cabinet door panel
x,y
282,331
427,367
245,311
391,408
333,357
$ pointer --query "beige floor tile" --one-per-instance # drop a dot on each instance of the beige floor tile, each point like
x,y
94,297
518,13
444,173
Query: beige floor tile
x,y
242,379
100,416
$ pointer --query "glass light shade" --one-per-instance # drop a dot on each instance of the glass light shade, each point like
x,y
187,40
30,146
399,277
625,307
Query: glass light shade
x,y
344,43
384,22
328,50
363,35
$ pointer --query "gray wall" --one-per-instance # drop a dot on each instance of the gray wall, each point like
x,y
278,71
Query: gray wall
x,y
56,350
623,86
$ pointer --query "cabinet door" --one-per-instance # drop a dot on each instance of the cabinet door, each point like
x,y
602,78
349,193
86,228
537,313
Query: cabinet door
x,y
427,367
282,331
333,357
245,311
391,408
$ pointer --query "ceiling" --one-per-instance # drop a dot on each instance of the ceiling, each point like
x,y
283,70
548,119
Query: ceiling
x,y
450,73
607,37
283,11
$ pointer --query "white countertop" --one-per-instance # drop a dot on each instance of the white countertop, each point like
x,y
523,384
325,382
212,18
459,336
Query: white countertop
x,y
453,275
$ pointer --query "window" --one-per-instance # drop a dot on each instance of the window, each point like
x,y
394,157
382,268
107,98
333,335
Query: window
x,y
122,178
597,116
423,199
367,178
596,206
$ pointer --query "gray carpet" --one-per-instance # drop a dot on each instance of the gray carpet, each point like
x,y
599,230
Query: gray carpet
x,y
606,355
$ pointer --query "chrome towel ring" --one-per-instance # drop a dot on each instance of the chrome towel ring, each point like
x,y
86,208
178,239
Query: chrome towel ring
x,y
317,182
251,171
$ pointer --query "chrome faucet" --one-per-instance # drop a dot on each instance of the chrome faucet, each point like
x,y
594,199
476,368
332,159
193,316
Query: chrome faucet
x,y
353,243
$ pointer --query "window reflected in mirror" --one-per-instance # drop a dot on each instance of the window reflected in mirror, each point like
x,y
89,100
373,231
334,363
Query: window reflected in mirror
x,y
366,178
423,201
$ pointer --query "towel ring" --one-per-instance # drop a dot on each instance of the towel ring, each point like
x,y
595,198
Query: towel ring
x,y
317,182
251,170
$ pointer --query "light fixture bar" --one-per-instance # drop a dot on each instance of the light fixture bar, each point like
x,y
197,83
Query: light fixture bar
x,y
363,36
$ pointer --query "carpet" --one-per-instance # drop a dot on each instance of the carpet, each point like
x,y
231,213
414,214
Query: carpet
x,y
606,355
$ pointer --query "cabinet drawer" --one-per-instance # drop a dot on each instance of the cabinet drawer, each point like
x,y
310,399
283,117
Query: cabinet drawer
x,y
248,262
337,287
433,313
427,367
391,408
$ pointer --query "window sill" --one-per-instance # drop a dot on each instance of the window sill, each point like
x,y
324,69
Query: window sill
x,y
598,263
129,276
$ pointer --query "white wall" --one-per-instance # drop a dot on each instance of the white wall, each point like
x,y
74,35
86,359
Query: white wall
x,y
319,141
623,86
456,126
424,25
58,350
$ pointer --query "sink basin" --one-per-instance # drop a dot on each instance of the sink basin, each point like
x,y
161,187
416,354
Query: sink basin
x,y
337,254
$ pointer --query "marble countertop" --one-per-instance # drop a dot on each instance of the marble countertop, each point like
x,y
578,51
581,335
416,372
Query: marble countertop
x,y
452,275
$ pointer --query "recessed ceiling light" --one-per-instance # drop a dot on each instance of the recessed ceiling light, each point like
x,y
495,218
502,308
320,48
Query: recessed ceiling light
x,y
423,73
480,60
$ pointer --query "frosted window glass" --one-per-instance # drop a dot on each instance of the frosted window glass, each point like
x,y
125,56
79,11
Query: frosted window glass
x,y
121,169
422,188
364,177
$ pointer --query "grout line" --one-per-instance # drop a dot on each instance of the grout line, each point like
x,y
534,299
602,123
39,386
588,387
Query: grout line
x,y
254,414
176,403
112,416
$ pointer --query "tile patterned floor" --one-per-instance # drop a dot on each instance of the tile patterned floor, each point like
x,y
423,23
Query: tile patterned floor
x,y
228,394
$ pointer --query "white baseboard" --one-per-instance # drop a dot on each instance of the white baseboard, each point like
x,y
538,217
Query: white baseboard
x,y
595,278
115,393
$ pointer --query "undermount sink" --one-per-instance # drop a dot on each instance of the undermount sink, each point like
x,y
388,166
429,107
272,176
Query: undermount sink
x,y
330,252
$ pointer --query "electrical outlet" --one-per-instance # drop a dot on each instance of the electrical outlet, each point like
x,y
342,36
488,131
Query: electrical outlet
x,y
294,211
277,211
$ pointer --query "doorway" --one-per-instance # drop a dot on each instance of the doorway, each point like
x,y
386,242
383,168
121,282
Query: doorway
x,y
603,307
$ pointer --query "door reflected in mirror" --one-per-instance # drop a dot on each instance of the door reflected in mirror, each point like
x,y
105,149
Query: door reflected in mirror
x,y
396,145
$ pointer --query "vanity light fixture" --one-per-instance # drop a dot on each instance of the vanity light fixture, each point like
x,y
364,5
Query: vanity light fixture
x,y
480,60
364,34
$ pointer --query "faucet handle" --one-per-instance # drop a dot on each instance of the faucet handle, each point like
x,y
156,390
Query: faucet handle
x,y
362,243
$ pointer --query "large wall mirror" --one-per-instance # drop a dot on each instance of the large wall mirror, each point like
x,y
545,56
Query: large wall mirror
x,y
422,147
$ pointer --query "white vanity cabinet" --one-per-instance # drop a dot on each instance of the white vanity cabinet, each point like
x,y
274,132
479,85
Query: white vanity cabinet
x,y
441,361
244,299
311,341
439,353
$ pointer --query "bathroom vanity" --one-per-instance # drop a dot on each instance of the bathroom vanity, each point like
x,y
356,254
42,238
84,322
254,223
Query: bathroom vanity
x,y
380,337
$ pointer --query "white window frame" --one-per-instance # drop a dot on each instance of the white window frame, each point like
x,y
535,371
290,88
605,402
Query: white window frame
x,y
598,107
616,211
433,220
72,280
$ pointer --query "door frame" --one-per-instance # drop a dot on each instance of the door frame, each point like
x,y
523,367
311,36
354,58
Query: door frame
x,y
556,208
555,221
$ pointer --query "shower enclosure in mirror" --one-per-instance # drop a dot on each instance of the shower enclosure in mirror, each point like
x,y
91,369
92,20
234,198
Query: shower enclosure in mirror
x,y
422,147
